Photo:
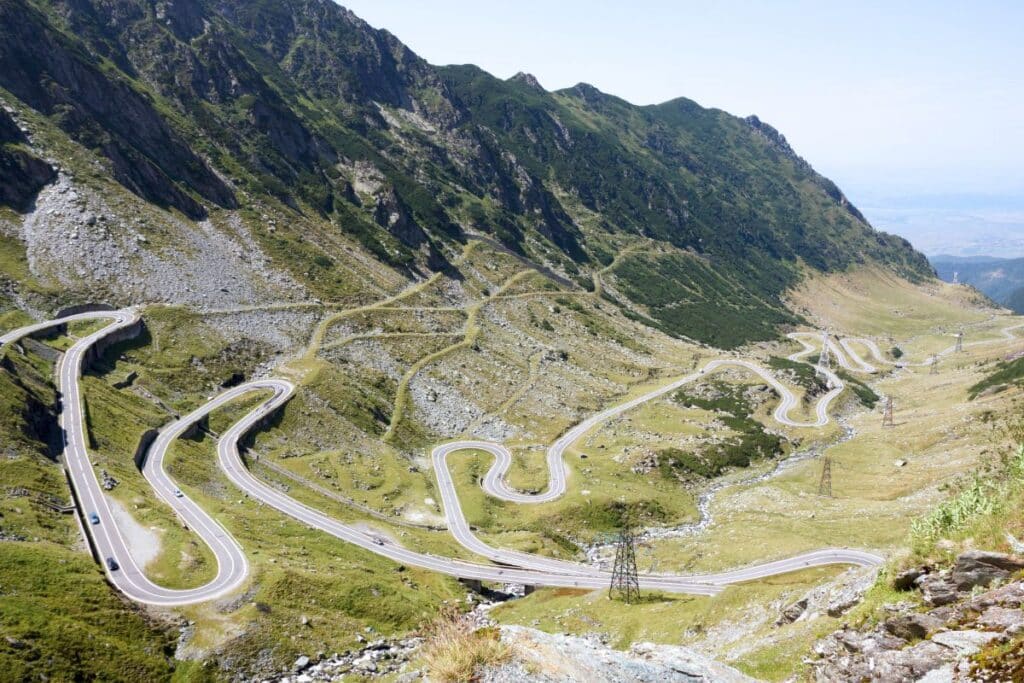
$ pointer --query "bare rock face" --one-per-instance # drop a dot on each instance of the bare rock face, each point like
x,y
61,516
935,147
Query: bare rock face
x,y
913,626
22,175
792,613
936,645
981,568
391,214
1002,618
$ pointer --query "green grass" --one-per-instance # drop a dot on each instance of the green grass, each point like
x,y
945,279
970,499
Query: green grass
x,y
982,505
70,625
180,358
116,420
559,528
802,372
668,618
299,571
751,441
865,394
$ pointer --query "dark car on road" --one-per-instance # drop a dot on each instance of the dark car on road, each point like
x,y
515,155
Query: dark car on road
x,y
112,564
94,518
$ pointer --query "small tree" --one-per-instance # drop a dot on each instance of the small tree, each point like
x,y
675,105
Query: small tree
x,y
896,352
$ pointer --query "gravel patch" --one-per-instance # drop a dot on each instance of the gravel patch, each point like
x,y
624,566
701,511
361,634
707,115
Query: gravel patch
x,y
143,543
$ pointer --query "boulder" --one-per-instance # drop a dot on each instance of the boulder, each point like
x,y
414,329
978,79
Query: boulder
x,y
876,663
850,594
1002,619
965,643
905,580
918,660
792,613
913,626
937,590
841,604
944,674
981,568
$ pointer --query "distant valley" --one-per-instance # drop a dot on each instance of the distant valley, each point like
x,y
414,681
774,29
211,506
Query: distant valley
x,y
1001,279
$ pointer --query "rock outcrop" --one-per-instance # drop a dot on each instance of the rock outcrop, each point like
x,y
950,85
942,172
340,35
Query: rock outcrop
x,y
937,644
22,174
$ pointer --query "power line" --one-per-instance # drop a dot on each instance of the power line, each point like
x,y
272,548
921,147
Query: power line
x,y
625,582
887,420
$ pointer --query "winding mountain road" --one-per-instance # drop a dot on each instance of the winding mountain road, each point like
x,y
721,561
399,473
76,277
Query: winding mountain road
x,y
107,539
511,567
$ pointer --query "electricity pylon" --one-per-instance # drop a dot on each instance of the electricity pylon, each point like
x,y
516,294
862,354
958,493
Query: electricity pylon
x,y
959,341
935,366
625,582
825,485
887,420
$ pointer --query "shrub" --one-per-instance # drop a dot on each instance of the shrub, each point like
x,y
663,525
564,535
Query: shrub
x,y
454,650
751,441
985,494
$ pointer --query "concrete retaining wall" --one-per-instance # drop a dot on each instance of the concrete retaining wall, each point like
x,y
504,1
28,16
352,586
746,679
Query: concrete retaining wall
x,y
96,350
147,439
83,308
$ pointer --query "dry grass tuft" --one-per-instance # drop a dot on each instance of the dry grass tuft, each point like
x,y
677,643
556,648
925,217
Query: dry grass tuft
x,y
454,649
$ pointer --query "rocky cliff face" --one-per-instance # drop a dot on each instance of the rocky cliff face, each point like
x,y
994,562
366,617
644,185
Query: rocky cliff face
x,y
48,71
300,109
24,174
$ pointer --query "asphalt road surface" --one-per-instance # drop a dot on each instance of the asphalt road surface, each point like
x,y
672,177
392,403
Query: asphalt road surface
x,y
107,538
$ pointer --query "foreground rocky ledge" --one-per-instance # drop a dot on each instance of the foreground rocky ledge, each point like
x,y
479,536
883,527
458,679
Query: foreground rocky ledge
x,y
938,644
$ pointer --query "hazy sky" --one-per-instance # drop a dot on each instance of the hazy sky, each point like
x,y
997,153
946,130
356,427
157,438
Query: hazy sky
x,y
887,98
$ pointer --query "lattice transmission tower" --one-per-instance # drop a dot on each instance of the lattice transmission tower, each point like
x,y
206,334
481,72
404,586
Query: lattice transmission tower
x,y
887,419
825,485
625,582
934,370
959,341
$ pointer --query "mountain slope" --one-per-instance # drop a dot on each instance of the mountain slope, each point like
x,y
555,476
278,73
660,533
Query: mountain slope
x,y
1000,278
301,114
